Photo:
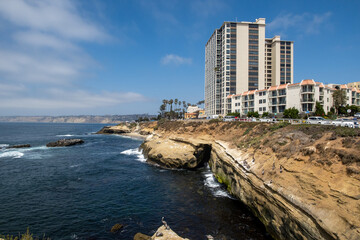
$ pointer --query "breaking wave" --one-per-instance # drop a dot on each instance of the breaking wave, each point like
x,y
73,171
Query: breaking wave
x,y
136,152
215,187
11,154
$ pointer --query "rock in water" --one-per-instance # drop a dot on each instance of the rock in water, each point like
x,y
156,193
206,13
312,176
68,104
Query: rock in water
x,y
19,146
116,228
140,236
65,143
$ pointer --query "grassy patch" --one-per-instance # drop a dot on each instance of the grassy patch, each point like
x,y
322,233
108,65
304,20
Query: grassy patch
x,y
277,126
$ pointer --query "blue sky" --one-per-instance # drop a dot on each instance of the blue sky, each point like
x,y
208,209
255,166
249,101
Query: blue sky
x,y
124,57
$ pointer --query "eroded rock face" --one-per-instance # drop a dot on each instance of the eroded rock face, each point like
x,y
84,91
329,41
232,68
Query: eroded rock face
x,y
175,152
65,143
294,201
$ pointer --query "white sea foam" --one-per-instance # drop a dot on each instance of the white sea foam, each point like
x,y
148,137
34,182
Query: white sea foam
x,y
4,145
11,154
215,187
76,165
65,135
136,152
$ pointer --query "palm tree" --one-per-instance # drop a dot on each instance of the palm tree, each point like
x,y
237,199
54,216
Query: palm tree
x,y
165,102
171,102
176,102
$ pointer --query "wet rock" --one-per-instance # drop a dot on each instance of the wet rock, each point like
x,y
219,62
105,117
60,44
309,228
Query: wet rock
x,y
65,143
116,228
140,236
20,146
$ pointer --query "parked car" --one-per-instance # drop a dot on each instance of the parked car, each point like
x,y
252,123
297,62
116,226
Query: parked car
x,y
344,122
349,123
229,118
357,115
317,120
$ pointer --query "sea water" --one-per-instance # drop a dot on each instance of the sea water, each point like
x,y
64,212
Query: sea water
x,y
80,192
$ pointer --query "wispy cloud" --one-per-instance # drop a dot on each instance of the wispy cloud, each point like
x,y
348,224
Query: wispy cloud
x,y
57,17
207,8
307,23
175,60
42,63
60,99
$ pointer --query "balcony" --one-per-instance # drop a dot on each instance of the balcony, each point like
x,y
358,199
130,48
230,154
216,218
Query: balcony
x,y
273,103
283,102
307,90
309,99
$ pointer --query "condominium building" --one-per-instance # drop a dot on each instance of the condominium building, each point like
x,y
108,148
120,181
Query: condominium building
x,y
239,58
303,96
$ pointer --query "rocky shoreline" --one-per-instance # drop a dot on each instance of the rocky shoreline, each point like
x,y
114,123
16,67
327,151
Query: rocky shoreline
x,y
302,182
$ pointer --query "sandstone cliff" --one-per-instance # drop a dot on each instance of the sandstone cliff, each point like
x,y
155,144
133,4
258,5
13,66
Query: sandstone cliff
x,y
301,181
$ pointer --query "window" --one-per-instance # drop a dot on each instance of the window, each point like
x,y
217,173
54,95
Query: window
x,y
253,42
253,68
260,101
282,51
253,57
253,36
253,52
264,100
253,73
253,63
280,47
253,31
282,56
253,47
253,26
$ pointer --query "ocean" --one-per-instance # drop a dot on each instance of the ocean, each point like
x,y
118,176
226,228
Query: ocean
x,y
80,192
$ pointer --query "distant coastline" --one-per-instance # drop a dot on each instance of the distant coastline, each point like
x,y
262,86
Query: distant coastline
x,y
75,119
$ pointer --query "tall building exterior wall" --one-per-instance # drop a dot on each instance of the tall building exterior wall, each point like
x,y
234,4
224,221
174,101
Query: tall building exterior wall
x,y
244,60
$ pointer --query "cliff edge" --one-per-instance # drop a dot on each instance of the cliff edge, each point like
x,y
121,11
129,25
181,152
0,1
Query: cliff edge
x,y
301,181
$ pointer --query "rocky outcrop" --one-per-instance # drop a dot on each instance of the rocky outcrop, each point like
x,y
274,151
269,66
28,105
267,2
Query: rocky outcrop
x,y
175,152
119,129
65,143
301,181
20,146
162,233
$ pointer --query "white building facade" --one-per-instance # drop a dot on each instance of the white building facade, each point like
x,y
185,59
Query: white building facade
x,y
302,96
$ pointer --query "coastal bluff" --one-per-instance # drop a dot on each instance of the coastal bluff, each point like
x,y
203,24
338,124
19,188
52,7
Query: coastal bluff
x,y
301,181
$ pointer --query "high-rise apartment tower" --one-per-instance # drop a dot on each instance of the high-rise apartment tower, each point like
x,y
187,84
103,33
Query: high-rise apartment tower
x,y
239,58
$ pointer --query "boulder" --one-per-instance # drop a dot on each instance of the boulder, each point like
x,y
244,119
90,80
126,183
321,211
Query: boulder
x,y
175,153
20,146
140,236
116,228
65,143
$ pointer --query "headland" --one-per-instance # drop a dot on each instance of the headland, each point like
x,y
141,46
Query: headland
x,y
301,181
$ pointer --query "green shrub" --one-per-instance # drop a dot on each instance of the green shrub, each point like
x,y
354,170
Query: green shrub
x,y
25,236
214,120
279,125
291,113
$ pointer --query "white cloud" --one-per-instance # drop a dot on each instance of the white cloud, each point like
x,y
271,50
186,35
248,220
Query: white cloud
x,y
304,23
175,59
57,17
42,64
